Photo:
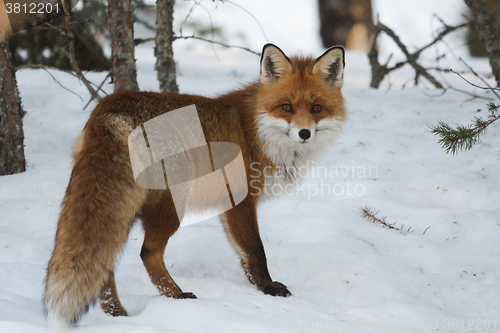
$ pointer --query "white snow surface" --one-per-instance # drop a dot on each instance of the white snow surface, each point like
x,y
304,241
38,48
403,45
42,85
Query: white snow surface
x,y
345,273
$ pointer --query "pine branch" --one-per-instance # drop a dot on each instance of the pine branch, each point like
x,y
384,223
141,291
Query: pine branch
x,y
371,215
464,137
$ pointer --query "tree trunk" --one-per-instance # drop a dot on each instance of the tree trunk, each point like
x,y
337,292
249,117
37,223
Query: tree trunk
x,y
486,15
122,45
346,22
165,64
11,113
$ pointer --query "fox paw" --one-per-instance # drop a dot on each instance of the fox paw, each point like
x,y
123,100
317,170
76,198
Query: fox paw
x,y
113,309
175,293
276,289
182,295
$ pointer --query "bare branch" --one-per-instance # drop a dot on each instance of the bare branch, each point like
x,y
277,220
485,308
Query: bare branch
x,y
45,67
40,66
379,71
459,59
473,72
410,57
72,59
445,70
218,43
440,36
472,95
99,88
212,30
191,10
139,41
144,23
472,84
52,76
255,19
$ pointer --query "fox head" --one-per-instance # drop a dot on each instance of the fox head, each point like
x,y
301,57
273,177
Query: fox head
x,y
300,106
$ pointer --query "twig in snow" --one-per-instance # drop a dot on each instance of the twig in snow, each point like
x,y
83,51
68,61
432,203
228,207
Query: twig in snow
x,y
371,215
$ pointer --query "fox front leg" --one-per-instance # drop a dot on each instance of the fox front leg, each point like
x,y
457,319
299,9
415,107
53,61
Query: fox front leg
x,y
242,230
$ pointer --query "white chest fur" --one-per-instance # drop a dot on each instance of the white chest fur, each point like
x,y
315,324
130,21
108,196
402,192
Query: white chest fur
x,y
292,160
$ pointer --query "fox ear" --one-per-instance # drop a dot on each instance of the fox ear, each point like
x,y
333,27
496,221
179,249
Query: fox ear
x,y
330,66
273,64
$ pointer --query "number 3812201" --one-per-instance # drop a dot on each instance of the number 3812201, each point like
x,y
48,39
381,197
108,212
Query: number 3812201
x,y
32,8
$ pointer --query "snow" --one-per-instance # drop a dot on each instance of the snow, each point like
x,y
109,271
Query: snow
x,y
345,272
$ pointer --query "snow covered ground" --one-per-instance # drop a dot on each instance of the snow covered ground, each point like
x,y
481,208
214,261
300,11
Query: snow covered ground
x,y
345,273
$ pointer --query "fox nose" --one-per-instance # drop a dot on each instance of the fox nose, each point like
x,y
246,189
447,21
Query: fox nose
x,y
304,134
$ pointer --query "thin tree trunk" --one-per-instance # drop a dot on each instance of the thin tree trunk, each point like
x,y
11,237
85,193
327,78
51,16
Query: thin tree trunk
x,y
486,15
165,64
122,45
346,22
11,125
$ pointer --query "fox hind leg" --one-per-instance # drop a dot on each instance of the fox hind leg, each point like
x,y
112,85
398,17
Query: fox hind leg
x,y
160,221
109,300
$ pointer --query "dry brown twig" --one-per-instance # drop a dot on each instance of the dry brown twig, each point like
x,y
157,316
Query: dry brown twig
x,y
371,215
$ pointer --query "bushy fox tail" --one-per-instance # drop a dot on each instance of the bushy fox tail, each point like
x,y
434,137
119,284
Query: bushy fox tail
x,y
97,212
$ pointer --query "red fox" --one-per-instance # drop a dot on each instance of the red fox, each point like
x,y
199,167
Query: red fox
x,y
285,119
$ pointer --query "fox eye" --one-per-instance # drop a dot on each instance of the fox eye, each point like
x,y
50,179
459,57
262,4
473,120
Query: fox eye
x,y
316,108
287,107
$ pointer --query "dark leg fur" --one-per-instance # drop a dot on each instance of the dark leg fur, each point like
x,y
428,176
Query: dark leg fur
x,y
160,222
241,226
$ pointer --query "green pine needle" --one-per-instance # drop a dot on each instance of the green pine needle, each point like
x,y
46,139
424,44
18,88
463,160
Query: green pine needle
x,y
464,137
